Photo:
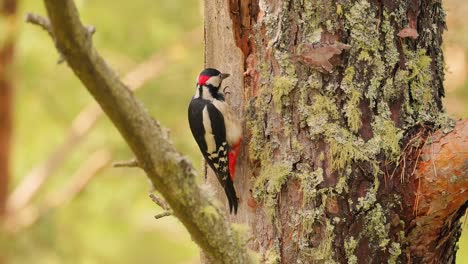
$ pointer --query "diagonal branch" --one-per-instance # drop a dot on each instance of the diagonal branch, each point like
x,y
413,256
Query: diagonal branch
x,y
171,174
83,123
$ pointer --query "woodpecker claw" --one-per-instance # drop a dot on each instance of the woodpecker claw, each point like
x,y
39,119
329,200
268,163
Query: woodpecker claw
x,y
224,90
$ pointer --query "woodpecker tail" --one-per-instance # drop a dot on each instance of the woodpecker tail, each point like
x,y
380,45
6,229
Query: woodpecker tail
x,y
231,195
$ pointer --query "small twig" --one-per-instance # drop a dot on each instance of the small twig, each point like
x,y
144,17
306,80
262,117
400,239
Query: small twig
x,y
129,163
163,214
41,21
163,204
91,30
160,202
44,23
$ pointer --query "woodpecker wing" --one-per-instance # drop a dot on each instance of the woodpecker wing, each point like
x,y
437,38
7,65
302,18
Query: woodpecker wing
x,y
208,128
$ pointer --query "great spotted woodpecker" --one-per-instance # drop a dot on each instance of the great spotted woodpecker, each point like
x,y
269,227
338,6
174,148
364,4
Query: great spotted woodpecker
x,y
216,130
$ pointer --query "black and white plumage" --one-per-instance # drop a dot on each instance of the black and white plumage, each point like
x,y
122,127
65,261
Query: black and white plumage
x,y
216,129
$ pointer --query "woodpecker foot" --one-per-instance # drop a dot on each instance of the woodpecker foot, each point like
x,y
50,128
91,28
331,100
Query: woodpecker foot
x,y
226,92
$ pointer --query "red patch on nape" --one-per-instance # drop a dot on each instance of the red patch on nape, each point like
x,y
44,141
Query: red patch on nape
x,y
202,79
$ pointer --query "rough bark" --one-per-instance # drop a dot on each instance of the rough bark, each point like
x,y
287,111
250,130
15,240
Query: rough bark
x,y
169,172
7,46
341,100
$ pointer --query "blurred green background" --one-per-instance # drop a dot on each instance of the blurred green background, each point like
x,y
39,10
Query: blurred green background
x,y
111,221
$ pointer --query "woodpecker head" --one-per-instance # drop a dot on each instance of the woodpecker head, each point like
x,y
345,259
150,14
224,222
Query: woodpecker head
x,y
208,83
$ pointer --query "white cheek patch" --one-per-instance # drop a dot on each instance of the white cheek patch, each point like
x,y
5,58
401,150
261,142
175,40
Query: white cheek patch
x,y
209,137
206,94
215,81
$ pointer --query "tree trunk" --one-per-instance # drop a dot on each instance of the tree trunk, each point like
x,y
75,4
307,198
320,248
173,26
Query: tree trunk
x,y
8,22
339,99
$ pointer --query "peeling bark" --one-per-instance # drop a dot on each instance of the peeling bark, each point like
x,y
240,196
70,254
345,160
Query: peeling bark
x,y
441,184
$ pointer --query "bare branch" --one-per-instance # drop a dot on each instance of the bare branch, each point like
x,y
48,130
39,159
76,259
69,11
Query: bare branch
x,y
170,173
83,123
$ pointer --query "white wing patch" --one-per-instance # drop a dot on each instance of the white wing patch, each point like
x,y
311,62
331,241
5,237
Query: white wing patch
x,y
209,137
233,127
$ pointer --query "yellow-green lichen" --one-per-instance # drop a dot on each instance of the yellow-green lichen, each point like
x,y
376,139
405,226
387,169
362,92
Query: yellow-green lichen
x,y
366,47
368,201
240,233
269,183
342,186
387,136
351,108
273,255
210,213
322,111
257,110
395,252
391,54
350,245
256,144
344,148
339,9
420,84
309,182
282,86
324,252
352,111
376,227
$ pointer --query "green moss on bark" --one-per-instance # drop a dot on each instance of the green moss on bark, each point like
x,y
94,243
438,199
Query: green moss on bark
x,y
379,73
350,246
282,86
376,227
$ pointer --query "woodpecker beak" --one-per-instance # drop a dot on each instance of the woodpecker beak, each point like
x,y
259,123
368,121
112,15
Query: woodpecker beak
x,y
224,75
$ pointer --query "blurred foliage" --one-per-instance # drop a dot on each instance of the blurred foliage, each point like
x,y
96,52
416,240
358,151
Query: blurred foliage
x,y
112,220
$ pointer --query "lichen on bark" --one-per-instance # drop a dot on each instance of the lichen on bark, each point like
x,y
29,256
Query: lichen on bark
x,y
340,132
